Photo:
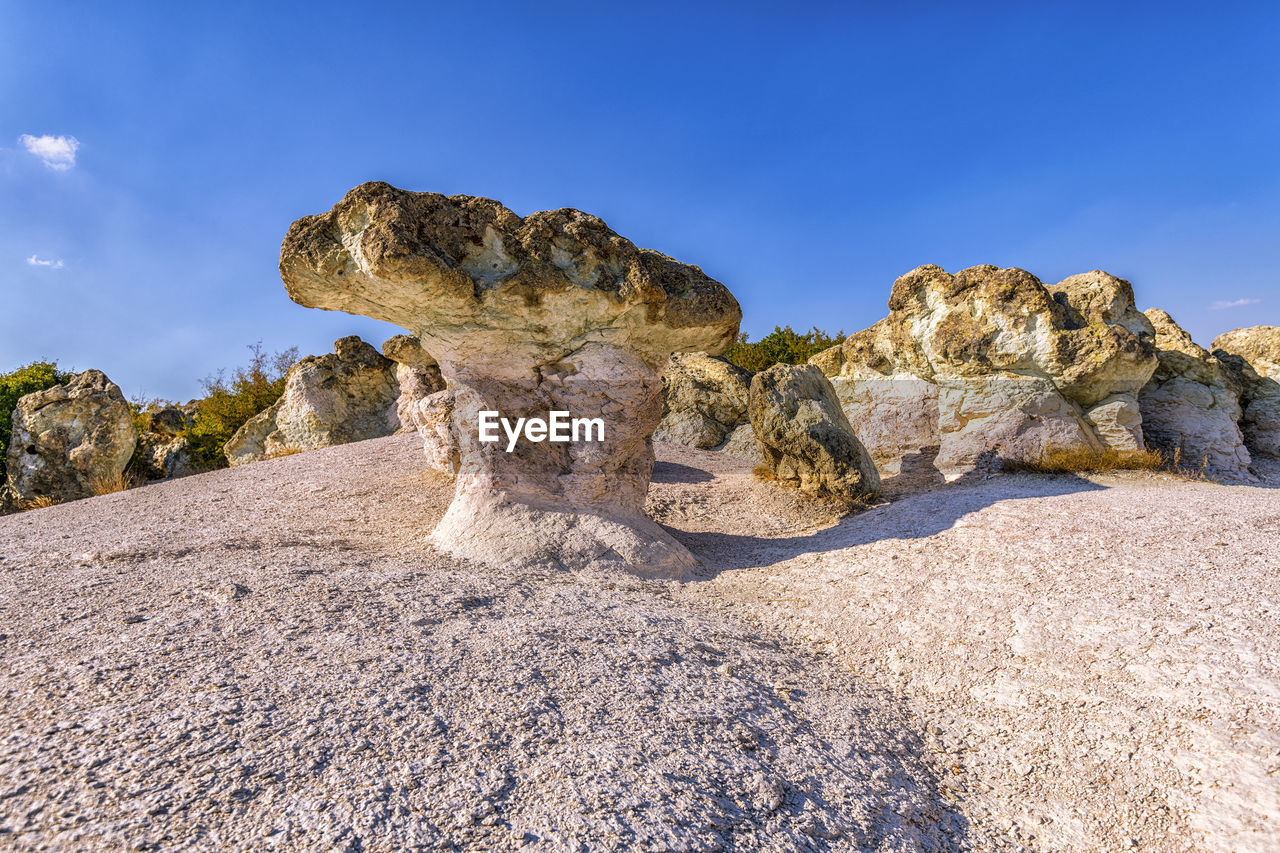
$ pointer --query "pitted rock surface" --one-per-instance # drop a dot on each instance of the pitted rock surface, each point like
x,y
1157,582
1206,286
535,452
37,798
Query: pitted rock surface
x,y
989,364
336,398
704,405
804,437
1251,358
66,437
1191,408
525,315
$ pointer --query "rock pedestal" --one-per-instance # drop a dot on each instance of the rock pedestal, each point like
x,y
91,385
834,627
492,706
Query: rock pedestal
x,y
1251,357
525,316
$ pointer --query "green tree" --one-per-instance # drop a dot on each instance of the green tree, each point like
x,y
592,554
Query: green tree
x,y
229,403
781,346
36,376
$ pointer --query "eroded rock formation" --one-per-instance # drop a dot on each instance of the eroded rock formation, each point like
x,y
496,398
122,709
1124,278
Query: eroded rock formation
x,y
1190,408
804,436
549,312
704,405
335,398
67,437
1251,359
425,404
989,364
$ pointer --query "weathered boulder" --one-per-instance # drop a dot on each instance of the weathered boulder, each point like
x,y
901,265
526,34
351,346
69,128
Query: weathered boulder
x,y
162,448
804,436
339,397
989,365
67,437
1190,409
525,316
1251,359
425,405
418,375
704,404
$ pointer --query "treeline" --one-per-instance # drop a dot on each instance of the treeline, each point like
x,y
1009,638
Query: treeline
x,y
781,346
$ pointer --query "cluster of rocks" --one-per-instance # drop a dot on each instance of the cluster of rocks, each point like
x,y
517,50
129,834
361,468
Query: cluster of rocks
x,y
556,312
990,365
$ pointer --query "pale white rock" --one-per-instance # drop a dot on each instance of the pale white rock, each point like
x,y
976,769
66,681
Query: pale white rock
x,y
524,316
66,437
344,396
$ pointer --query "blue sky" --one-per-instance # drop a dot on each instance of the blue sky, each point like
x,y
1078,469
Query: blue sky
x,y
805,154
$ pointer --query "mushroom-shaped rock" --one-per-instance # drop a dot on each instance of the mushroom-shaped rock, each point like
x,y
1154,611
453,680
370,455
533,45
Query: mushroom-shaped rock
x,y
804,436
552,312
66,437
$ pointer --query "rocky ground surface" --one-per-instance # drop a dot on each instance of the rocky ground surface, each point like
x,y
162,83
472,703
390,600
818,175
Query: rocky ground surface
x,y
272,657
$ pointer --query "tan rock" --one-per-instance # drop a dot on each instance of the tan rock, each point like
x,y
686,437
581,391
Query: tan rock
x,y
704,399
344,396
1251,359
989,365
66,437
1190,411
804,437
549,312
1258,345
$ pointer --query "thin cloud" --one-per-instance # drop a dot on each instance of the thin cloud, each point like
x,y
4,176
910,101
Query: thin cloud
x,y
1234,303
56,152
35,261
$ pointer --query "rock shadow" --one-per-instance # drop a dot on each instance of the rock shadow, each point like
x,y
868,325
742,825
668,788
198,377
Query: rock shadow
x,y
674,472
918,507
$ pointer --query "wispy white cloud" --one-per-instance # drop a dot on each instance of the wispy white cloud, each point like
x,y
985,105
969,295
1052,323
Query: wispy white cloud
x,y
35,261
56,152
1234,303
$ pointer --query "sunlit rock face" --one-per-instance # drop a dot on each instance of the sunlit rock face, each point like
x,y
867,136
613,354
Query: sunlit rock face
x,y
989,365
524,316
705,406
1191,407
804,437
1251,357
69,438
336,398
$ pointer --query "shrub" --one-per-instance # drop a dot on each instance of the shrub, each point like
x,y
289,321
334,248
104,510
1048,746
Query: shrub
x,y
36,376
1066,460
229,403
781,346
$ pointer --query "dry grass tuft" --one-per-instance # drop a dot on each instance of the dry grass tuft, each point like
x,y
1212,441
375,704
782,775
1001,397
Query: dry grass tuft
x,y
107,484
764,473
41,502
1065,460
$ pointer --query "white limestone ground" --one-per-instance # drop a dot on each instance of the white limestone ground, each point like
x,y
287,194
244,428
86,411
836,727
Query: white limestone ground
x,y
273,657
